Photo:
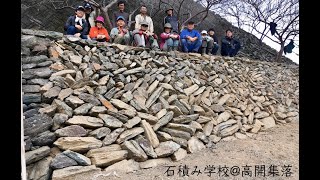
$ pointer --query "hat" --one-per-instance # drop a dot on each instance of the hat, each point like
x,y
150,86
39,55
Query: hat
x,y
81,8
204,32
168,25
87,6
120,17
100,19
144,23
170,8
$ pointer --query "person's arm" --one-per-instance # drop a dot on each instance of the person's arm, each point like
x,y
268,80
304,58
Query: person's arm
x,y
113,33
215,38
92,34
68,23
85,29
198,36
183,34
137,24
164,36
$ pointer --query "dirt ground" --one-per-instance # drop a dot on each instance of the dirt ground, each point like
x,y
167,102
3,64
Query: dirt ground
x,y
276,147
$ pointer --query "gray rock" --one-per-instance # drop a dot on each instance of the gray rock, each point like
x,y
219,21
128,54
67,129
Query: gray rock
x,y
208,127
127,166
191,89
90,99
183,119
30,113
71,131
163,121
132,122
95,110
75,172
134,151
40,81
119,116
44,72
37,124
62,107
194,145
36,155
64,93
130,133
179,154
31,98
49,110
27,143
112,137
74,101
133,71
110,121
34,59
40,33
121,105
223,117
182,142
83,109
182,127
146,146
183,109
44,139
86,121
176,133
151,119
58,120
268,122
228,131
155,95
30,88
261,114
166,148
62,161
78,144
217,108
100,132
101,90
79,158
40,170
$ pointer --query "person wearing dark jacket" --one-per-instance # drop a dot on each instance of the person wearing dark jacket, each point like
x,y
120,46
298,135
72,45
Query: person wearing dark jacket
x,y
116,14
88,10
173,20
77,25
216,46
229,45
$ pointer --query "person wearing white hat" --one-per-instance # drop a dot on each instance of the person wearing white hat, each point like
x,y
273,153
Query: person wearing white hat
x,y
207,43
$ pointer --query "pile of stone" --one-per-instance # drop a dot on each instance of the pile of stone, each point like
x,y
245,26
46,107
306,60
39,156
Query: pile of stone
x,y
90,107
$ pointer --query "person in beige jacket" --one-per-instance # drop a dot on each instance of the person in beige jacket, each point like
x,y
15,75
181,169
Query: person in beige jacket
x,y
143,17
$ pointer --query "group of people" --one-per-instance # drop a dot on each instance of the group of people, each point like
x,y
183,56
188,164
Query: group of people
x,y
84,26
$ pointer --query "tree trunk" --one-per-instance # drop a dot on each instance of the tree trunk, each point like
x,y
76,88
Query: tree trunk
x,y
279,55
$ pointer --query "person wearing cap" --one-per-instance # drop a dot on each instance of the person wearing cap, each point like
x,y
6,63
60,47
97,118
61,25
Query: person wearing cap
x,y
89,14
169,41
143,17
173,20
207,43
77,25
98,32
143,38
216,46
190,39
116,14
119,34
229,45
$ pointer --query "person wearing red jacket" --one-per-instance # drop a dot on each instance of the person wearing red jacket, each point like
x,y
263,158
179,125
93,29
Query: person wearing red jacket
x,y
144,38
98,32
169,40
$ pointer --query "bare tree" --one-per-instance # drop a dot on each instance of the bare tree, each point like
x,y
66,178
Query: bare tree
x,y
256,15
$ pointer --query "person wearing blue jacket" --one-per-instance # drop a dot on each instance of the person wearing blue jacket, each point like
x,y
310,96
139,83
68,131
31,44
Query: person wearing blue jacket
x,y
190,39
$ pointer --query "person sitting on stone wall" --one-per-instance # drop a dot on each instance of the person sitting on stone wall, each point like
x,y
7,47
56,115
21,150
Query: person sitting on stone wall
x,y
77,25
120,34
98,32
169,41
143,17
116,14
190,39
216,46
144,38
207,43
229,45
89,14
